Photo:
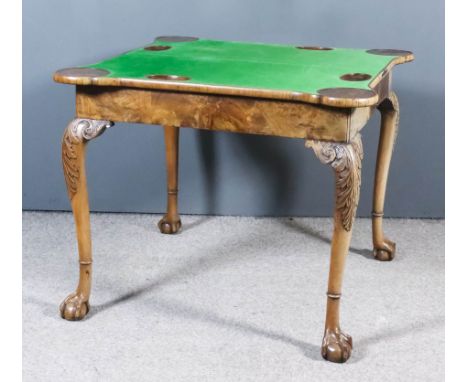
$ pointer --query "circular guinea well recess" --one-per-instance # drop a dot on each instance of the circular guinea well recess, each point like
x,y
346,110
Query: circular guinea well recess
x,y
82,72
313,48
355,77
176,38
157,47
348,93
167,77
389,52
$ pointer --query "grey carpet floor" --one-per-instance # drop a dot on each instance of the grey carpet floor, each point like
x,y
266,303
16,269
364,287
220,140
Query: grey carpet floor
x,y
230,299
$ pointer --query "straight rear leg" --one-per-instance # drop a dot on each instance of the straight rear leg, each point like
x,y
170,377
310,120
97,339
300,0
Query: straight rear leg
x,y
170,223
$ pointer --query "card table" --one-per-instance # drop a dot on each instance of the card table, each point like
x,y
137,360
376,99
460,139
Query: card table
x,y
320,94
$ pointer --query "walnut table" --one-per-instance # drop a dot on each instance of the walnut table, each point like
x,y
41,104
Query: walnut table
x,y
322,95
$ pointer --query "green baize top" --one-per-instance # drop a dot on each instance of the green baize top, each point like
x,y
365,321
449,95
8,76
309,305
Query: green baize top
x,y
248,65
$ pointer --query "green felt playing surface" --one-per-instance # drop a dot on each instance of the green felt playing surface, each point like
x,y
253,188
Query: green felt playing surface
x,y
249,65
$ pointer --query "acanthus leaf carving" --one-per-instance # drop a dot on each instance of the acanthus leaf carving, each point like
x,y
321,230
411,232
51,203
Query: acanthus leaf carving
x,y
78,132
345,159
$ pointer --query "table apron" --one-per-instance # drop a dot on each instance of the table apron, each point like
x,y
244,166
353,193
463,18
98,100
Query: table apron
x,y
221,113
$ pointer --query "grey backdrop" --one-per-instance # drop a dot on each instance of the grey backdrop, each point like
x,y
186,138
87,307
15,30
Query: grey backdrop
x,y
222,173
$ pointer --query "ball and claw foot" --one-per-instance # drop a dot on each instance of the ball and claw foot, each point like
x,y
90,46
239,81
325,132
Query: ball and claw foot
x,y
385,252
169,227
74,307
336,346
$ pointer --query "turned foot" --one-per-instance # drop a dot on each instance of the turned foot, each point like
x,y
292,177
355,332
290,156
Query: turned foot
x,y
169,226
385,251
74,307
336,346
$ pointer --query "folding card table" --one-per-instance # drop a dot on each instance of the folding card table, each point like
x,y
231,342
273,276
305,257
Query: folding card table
x,y
322,95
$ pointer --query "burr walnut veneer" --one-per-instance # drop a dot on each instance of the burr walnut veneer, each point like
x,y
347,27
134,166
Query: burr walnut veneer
x,y
322,95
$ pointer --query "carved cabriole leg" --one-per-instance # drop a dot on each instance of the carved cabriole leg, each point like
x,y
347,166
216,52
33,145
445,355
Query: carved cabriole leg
x,y
77,134
170,223
346,161
384,249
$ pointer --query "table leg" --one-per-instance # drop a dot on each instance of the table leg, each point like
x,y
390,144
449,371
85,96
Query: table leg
x,y
345,159
384,249
77,134
170,223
